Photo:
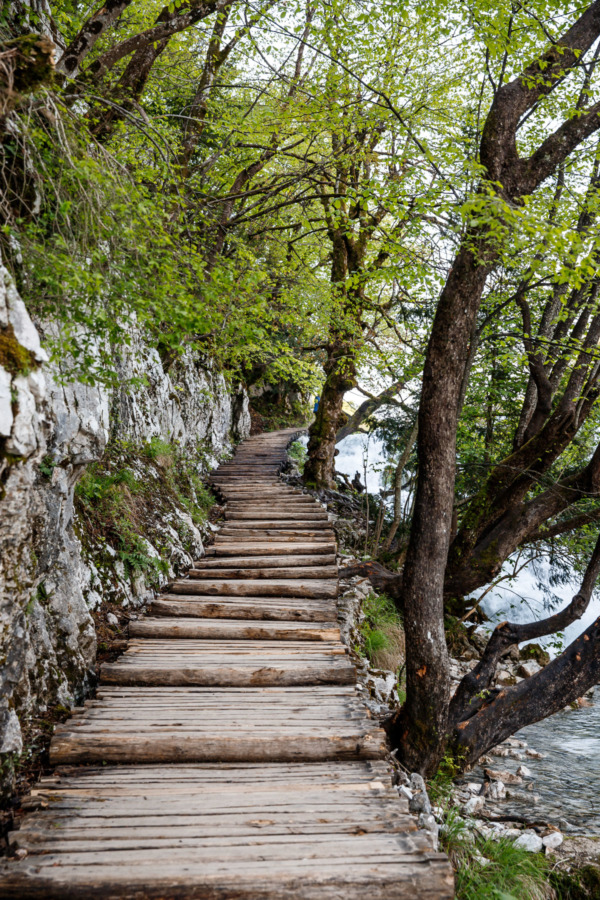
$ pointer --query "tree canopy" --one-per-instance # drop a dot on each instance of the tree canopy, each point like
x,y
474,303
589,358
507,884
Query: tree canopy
x,y
317,193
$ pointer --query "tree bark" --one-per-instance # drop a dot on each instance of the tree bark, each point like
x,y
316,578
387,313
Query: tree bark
x,y
340,377
90,32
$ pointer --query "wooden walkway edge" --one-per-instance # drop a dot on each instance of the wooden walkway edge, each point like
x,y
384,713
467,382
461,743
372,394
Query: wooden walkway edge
x,y
227,753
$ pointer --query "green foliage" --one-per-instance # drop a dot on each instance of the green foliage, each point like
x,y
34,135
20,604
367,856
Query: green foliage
x,y
297,452
157,447
493,870
123,508
104,487
440,785
379,614
47,466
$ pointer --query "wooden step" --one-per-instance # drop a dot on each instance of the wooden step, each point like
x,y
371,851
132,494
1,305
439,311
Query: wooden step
x,y
288,572
275,587
298,831
233,629
258,562
285,535
196,724
230,663
298,609
277,515
267,545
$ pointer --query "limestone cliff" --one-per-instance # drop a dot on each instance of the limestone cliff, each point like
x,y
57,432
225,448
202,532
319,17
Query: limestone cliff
x,y
51,433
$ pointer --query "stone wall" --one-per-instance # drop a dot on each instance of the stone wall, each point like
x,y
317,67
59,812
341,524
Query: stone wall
x,y
50,432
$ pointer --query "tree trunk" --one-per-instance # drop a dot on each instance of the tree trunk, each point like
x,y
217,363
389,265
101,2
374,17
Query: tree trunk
x,y
421,729
340,377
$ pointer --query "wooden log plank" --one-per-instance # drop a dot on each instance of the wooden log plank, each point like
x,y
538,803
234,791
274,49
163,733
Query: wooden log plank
x,y
153,748
277,674
290,571
276,587
285,548
232,608
258,562
239,629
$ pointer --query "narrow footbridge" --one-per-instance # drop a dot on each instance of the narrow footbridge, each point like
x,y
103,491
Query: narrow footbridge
x,y
227,753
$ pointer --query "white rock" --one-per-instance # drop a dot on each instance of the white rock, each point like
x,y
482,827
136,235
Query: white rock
x,y
405,792
474,787
6,413
524,772
12,739
496,790
473,806
533,754
531,841
553,840
24,329
23,440
529,668
112,619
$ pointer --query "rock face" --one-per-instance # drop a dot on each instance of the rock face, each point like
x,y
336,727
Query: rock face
x,y
50,432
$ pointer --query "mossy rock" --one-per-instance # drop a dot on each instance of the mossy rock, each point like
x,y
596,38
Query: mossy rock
x,y
536,652
13,357
582,884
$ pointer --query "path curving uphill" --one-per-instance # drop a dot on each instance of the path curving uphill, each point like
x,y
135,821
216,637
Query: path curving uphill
x,y
227,753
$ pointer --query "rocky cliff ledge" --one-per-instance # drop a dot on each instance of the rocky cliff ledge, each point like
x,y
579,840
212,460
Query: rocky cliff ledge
x,y
53,572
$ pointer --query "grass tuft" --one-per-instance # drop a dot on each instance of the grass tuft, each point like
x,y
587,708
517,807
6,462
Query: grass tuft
x,y
382,633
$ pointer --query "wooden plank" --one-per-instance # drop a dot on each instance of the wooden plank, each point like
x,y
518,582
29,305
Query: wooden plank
x,y
276,674
240,629
276,587
236,608
153,748
257,562
285,548
290,571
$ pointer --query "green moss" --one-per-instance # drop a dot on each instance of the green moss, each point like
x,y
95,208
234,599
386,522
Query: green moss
x,y
13,357
582,884
33,61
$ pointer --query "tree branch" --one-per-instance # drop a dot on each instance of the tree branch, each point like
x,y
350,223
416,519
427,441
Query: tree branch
x,y
507,634
90,32
367,409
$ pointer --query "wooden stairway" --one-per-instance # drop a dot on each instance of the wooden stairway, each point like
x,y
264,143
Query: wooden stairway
x,y
227,753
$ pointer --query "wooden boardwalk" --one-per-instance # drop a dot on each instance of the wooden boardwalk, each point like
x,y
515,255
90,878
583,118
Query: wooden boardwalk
x,y
227,753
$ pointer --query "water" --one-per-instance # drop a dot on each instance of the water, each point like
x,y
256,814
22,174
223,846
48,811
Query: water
x,y
352,452
567,780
